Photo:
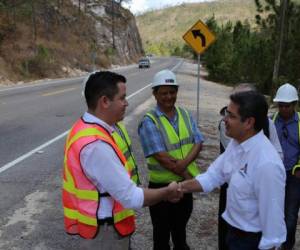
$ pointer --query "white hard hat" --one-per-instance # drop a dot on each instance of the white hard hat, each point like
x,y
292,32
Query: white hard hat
x,y
165,77
286,93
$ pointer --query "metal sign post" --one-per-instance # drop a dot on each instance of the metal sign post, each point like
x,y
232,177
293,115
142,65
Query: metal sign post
x,y
199,37
198,90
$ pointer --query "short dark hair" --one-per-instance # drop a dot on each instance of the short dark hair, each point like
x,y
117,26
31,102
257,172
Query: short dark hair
x,y
101,83
251,104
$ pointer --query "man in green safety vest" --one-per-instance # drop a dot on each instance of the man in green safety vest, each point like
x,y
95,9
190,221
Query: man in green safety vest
x,y
171,142
287,122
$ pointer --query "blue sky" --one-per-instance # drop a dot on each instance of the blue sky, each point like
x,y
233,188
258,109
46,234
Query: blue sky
x,y
139,6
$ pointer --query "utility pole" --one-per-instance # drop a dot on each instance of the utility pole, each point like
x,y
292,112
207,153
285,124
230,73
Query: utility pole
x,y
283,7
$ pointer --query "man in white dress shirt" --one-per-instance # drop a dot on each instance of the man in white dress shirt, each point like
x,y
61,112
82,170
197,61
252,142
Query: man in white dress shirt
x,y
255,174
269,131
98,194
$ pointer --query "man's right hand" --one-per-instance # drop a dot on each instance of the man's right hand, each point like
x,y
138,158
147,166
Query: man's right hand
x,y
175,192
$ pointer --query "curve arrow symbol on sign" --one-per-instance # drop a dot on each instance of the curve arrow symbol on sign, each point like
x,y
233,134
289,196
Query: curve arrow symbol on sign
x,y
197,33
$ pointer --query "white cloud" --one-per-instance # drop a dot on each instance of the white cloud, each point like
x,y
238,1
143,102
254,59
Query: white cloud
x,y
140,6
137,6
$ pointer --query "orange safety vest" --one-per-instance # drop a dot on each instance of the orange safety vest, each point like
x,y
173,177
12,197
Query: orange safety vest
x,y
80,196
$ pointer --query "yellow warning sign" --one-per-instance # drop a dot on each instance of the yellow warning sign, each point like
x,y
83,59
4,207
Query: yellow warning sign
x,y
199,37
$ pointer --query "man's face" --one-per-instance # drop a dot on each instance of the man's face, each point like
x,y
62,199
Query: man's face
x,y
166,96
117,106
235,128
286,110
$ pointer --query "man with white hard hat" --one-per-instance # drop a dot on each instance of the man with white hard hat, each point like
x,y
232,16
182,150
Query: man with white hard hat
x,y
171,142
288,129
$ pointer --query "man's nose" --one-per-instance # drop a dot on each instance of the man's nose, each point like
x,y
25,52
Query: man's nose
x,y
169,95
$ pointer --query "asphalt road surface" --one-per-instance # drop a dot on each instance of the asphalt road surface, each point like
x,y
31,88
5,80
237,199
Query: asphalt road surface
x,y
33,124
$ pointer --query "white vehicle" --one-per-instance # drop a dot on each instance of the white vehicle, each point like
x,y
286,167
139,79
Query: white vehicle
x,y
144,63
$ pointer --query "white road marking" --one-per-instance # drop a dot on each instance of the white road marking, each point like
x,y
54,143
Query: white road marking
x,y
39,148
30,153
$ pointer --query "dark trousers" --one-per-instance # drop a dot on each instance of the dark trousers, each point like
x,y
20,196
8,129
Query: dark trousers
x,y
240,240
292,205
170,219
222,224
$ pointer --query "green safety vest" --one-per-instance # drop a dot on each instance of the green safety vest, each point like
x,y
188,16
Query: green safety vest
x,y
178,146
123,141
297,166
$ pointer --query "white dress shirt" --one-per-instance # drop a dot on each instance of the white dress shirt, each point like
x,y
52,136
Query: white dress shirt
x,y
274,138
255,195
103,167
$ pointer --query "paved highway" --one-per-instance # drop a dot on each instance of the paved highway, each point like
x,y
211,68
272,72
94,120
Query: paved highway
x,y
33,123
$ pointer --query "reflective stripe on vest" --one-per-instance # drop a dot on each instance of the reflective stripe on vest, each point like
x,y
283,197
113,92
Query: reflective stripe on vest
x,y
297,166
124,143
80,196
178,146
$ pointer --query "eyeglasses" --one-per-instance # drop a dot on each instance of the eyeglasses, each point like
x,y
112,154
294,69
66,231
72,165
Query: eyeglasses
x,y
229,114
285,132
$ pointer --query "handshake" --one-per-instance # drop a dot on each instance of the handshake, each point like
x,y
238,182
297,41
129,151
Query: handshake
x,y
175,192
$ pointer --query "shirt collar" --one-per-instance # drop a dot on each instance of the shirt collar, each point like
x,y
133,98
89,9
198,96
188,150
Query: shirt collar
x,y
295,118
249,143
89,118
160,113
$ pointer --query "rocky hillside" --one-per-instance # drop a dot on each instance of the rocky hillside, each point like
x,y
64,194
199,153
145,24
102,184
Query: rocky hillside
x,y
58,38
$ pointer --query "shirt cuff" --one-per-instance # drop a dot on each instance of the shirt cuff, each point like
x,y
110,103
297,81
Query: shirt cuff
x,y
270,243
204,182
139,201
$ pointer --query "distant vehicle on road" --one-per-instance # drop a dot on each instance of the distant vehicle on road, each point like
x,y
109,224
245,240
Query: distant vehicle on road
x,y
144,63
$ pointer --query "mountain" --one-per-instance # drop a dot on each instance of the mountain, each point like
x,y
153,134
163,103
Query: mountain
x,y
168,25
57,38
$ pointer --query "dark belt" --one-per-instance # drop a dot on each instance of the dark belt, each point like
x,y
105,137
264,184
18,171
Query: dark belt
x,y
240,233
107,221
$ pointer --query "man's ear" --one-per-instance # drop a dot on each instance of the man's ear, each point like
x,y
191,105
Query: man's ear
x,y
250,121
103,102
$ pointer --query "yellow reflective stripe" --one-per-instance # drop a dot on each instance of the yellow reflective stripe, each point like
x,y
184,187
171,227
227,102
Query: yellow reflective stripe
x,y
274,117
187,116
119,141
81,194
184,124
68,174
134,178
76,215
296,167
124,131
152,117
123,215
128,167
298,125
84,133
